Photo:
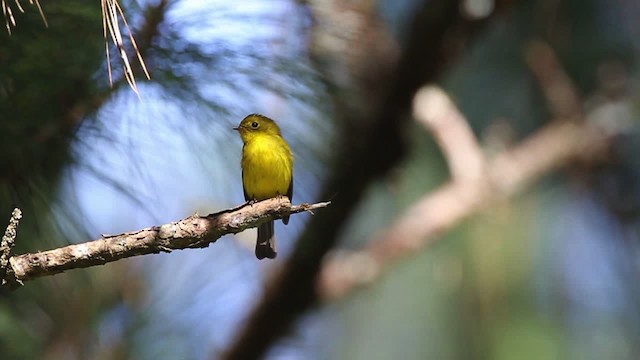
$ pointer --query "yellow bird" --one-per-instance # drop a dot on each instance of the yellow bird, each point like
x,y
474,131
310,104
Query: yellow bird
x,y
267,172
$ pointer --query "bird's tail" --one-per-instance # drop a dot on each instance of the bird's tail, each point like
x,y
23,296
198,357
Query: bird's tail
x,y
266,244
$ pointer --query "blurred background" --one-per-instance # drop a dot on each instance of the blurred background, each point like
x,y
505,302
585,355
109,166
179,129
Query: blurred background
x,y
551,274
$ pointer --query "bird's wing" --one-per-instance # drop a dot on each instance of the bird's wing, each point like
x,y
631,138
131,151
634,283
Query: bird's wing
x,y
244,189
285,219
290,190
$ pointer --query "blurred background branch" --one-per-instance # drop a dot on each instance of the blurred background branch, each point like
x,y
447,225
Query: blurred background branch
x,y
553,147
560,92
464,156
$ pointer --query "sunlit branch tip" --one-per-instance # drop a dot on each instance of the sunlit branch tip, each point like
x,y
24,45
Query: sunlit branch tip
x,y
8,241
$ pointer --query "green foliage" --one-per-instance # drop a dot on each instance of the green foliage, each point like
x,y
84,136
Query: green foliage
x,y
47,87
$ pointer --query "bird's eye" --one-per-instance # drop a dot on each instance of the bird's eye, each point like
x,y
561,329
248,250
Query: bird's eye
x,y
255,124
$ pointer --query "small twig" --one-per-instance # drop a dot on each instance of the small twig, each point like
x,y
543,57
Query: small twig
x,y
8,241
192,232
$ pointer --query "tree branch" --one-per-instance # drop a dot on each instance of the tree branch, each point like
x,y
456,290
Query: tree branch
x,y
471,191
561,94
372,143
193,232
8,240
433,108
419,227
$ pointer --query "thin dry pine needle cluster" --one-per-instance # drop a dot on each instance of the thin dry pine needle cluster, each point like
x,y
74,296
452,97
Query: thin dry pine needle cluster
x,y
111,15
10,20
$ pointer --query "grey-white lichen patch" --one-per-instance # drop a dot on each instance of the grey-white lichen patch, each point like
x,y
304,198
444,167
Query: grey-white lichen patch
x,y
167,231
236,221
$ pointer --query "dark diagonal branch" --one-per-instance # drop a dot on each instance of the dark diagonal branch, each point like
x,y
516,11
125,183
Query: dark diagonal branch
x,y
373,143
561,94
193,232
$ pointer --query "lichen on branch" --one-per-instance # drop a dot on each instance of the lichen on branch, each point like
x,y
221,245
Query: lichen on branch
x,y
195,231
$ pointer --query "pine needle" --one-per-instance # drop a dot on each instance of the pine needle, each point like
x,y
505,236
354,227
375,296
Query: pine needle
x,y
19,6
37,2
9,19
8,16
133,42
112,14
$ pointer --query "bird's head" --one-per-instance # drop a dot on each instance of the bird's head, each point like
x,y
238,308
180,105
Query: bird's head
x,y
254,125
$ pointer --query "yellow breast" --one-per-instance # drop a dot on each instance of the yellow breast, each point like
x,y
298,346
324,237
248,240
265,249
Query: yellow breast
x,y
267,167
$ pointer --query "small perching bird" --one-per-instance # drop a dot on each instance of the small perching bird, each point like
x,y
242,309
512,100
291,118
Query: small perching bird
x,y
267,172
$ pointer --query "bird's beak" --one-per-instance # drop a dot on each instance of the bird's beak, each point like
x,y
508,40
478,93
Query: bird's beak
x,y
236,128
